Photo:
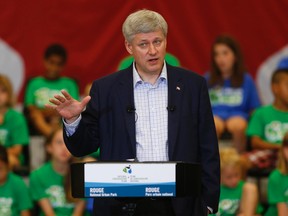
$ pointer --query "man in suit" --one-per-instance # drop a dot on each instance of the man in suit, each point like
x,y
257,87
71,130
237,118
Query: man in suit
x,y
150,111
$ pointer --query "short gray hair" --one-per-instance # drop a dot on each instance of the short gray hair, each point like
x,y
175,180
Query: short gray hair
x,y
143,21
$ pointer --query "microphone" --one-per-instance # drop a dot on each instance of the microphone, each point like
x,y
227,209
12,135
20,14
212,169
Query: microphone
x,y
130,109
171,108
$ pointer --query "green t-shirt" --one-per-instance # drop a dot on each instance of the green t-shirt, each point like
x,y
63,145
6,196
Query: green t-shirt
x,y
229,202
40,90
46,183
14,129
269,124
277,191
14,196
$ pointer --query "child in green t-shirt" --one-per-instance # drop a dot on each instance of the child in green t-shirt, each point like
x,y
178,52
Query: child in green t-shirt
x,y
40,89
237,197
14,194
278,184
50,184
269,123
13,128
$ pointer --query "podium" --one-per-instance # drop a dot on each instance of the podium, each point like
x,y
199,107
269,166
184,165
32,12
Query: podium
x,y
135,179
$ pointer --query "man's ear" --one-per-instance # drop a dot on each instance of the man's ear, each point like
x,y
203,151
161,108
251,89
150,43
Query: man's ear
x,y
128,47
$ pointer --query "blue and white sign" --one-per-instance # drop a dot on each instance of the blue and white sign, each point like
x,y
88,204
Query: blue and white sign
x,y
130,179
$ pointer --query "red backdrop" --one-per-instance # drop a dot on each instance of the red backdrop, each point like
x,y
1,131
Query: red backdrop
x,y
91,31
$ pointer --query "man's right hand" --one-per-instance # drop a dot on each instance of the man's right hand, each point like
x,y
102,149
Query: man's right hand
x,y
69,108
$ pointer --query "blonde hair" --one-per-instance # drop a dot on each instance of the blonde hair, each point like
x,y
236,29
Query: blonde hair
x,y
7,86
229,157
282,164
143,21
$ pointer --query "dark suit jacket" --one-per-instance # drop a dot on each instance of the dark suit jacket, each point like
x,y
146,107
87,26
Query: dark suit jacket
x,y
109,123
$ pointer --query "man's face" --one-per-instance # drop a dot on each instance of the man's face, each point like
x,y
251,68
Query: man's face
x,y
148,50
54,65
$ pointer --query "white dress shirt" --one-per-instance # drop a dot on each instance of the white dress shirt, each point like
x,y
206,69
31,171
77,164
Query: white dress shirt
x,y
151,117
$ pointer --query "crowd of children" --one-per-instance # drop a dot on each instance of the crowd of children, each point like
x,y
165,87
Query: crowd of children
x,y
257,132
236,108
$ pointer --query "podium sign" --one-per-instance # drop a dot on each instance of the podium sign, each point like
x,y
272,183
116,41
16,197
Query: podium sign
x,y
130,180
135,179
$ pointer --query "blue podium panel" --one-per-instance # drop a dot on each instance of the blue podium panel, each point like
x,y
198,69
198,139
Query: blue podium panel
x,y
135,179
130,180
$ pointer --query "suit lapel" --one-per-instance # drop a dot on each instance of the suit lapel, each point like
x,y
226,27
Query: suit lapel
x,y
126,97
175,92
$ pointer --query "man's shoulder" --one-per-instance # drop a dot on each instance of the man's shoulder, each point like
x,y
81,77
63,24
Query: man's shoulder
x,y
186,73
176,72
115,76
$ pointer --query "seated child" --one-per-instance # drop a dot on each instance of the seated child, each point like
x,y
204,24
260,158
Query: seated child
x,y
50,184
237,197
13,128
278,184
14,194
232,91
268,124
40,89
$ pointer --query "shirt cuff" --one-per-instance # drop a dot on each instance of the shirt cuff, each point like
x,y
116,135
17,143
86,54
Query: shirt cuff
x,y
71,128
210,210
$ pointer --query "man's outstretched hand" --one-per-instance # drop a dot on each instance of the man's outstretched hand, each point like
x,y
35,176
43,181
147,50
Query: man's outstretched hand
x,y
68,107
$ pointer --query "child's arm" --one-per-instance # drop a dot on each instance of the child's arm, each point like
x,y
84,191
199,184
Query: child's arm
x,y
79,208
39,121
25,213
13,153
258,143
249,199
282,209
46,207
15,150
